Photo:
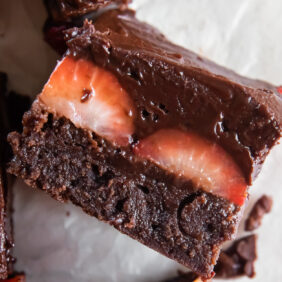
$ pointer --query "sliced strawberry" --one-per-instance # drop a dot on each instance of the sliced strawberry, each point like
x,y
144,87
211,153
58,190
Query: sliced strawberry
x,y
91,98
192,157
279,89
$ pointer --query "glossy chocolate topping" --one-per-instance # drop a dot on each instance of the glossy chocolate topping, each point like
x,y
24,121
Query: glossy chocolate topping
x,y
174,88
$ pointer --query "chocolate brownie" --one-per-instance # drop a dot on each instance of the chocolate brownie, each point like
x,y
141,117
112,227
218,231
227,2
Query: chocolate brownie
x,y
149,137
260,208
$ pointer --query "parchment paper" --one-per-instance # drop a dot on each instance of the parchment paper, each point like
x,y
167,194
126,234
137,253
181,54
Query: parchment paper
x,y
56,242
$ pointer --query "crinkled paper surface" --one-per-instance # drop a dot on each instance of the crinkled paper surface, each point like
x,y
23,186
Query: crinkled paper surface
x,y
57,242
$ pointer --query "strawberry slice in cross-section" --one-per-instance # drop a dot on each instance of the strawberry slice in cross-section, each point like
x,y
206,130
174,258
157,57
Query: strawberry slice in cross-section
x,y
206,164
90,97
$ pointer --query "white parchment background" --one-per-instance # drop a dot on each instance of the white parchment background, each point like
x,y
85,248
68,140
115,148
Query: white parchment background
x,y
51,246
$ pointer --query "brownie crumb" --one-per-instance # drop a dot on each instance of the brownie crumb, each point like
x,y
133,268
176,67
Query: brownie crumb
x,y
238,260
261,207
67,213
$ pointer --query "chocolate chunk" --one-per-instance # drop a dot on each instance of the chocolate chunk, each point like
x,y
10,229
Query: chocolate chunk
x,y
260,208
238,260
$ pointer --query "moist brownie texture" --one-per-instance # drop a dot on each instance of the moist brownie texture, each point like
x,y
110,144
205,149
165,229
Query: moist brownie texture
x,y
141,200
149,137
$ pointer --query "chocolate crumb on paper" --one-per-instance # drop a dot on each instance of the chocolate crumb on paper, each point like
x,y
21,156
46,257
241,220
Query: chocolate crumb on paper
x,y
261,207
238,260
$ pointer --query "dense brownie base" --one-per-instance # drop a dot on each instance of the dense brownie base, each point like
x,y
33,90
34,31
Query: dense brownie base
x,y
137,198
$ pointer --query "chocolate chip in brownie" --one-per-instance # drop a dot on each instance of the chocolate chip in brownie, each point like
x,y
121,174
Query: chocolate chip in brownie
x,y
261,207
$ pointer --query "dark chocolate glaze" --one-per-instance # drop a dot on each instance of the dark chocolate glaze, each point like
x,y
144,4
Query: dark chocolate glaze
x,y
175,88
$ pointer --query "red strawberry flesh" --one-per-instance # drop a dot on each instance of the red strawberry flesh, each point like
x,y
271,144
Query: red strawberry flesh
x,y
280,89
206,164
107,109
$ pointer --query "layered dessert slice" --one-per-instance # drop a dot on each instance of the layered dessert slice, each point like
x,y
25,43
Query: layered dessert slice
x,y
148,137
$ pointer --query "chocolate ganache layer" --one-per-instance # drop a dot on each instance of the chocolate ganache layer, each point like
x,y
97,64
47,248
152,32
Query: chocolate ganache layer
x,y
178,88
